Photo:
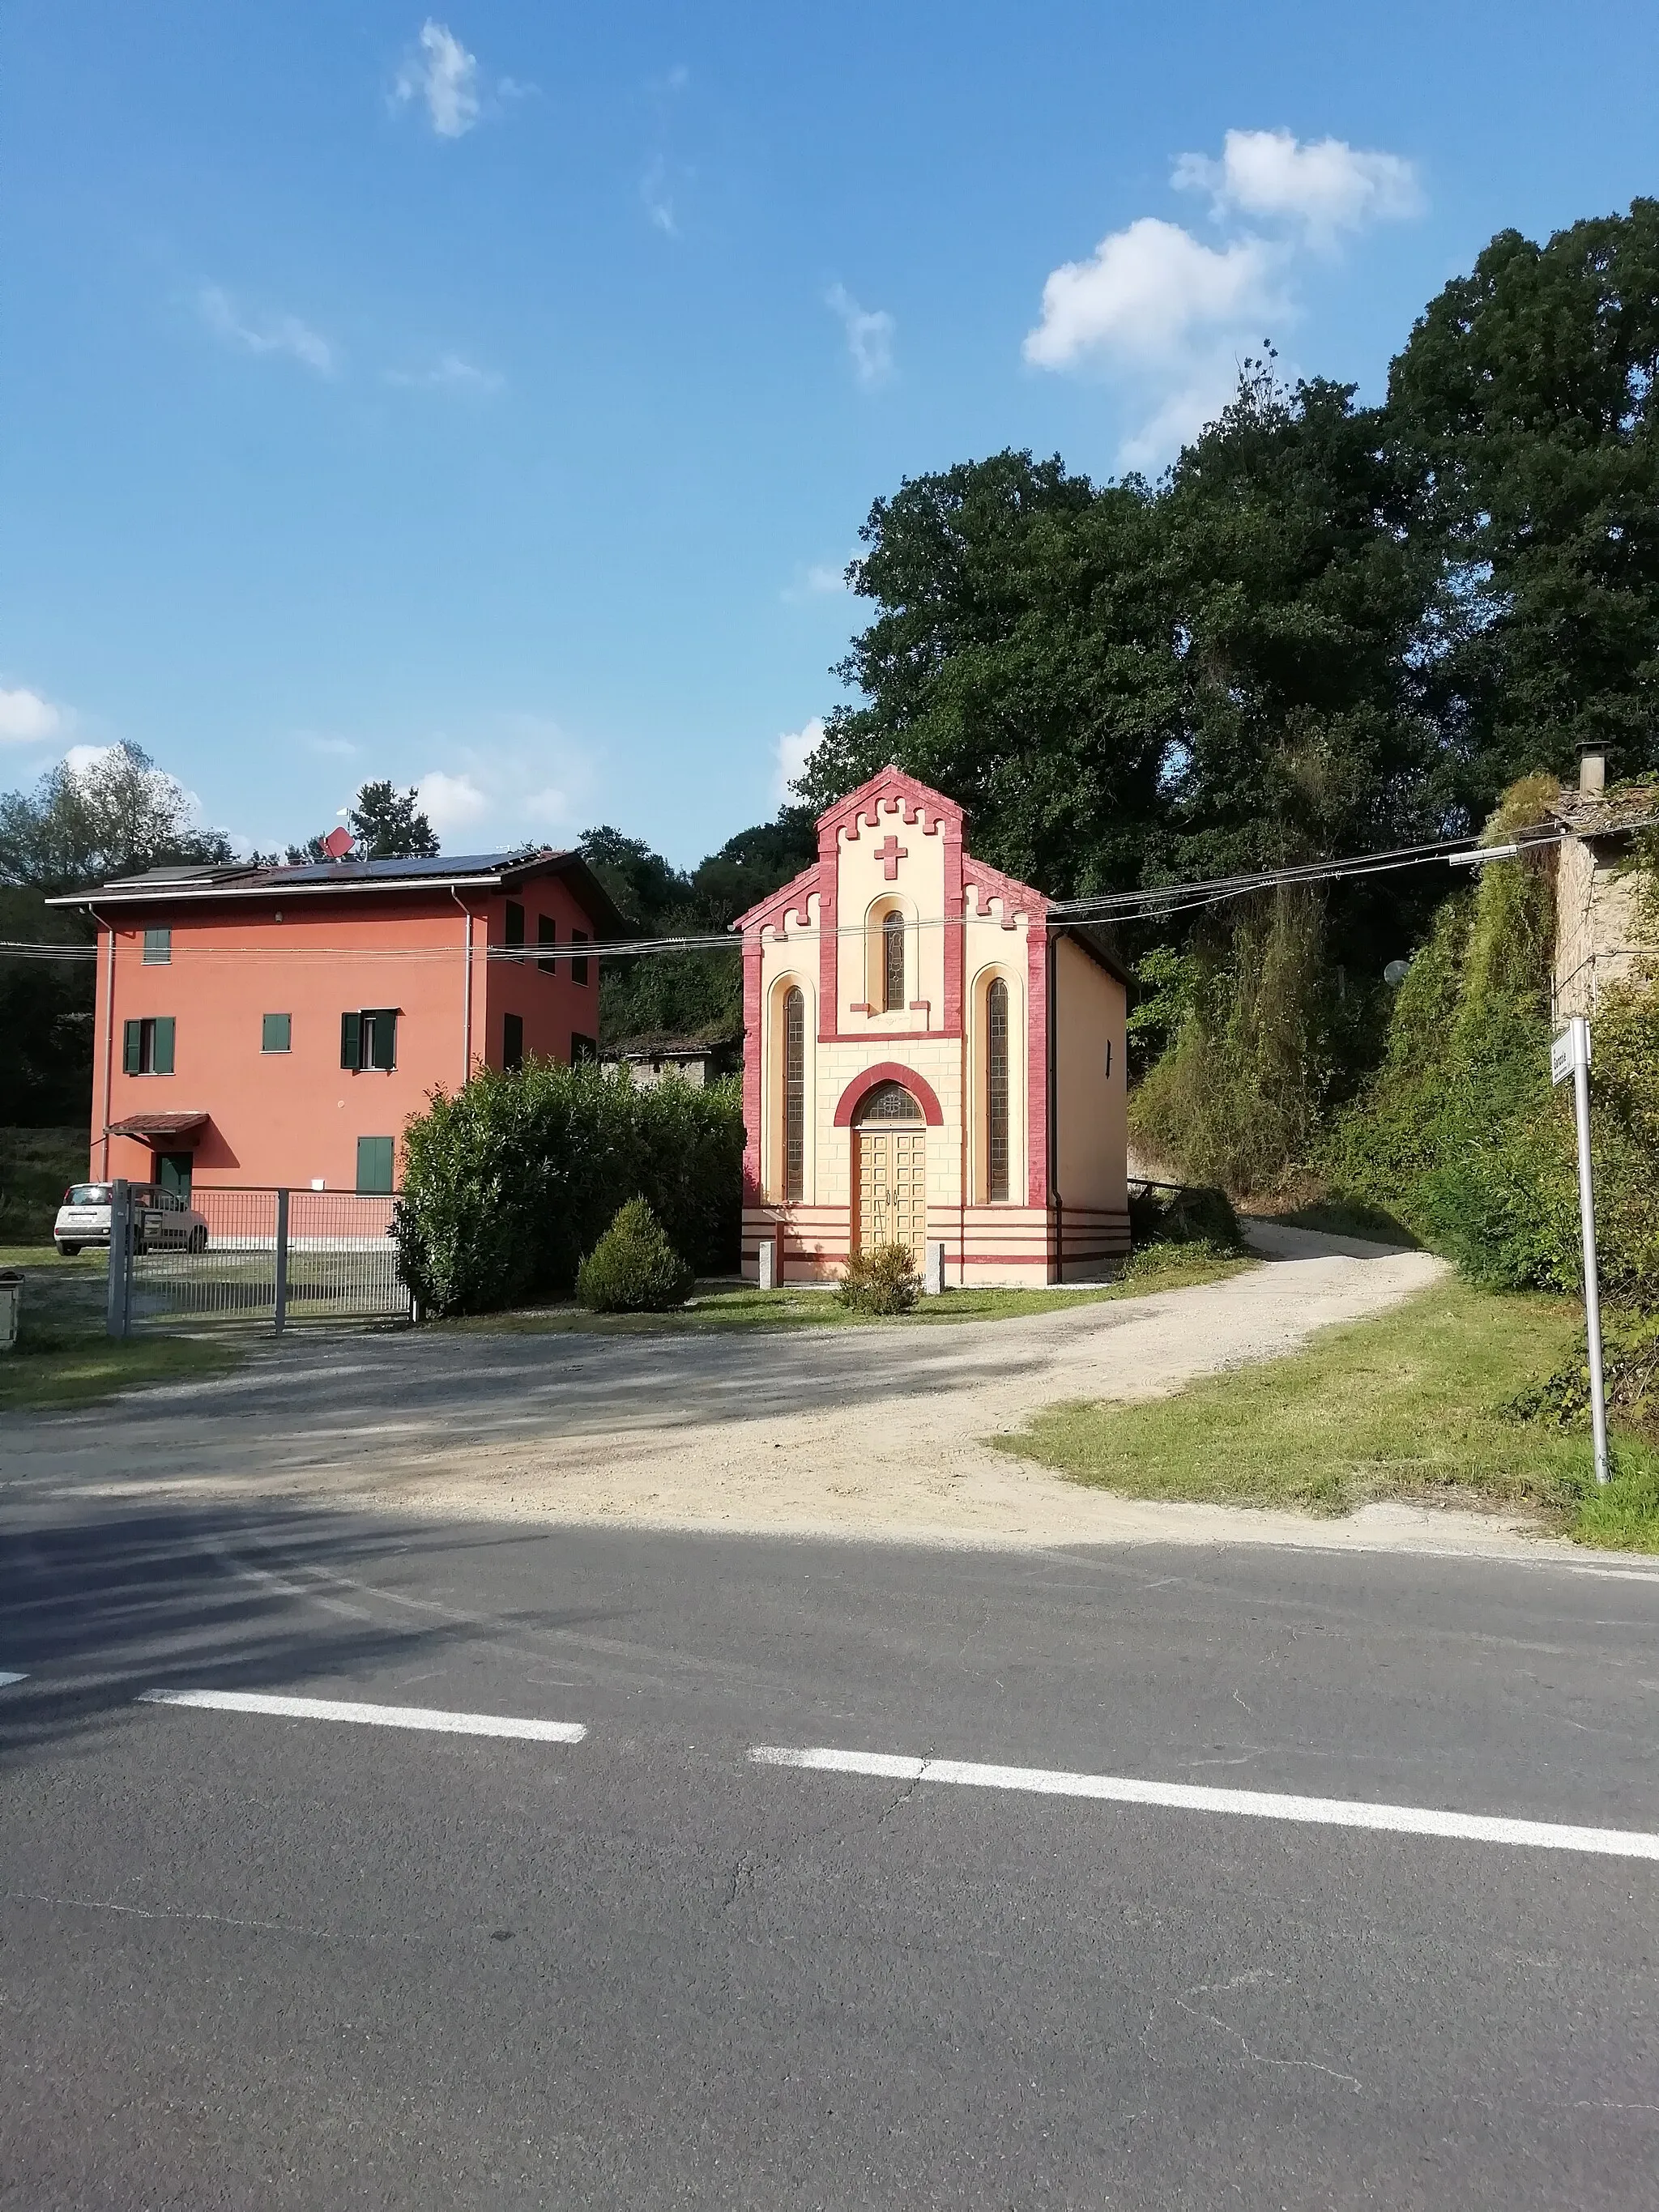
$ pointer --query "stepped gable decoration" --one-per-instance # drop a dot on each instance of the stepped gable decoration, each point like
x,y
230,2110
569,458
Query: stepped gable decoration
x,y
900,1008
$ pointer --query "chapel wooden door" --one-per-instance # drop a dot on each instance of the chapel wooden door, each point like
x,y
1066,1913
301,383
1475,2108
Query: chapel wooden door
x,y
893,1189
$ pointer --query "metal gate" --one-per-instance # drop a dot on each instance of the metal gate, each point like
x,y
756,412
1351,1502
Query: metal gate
x,y
254,1255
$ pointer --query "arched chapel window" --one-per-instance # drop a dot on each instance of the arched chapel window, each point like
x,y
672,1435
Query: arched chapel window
x,y
794,1093
892,962
996,1090
887,1102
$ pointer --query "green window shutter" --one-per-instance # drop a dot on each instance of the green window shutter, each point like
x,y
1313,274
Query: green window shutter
x,y
158,947
351,1041
383,1038
374,1164
276,1032
132,1047
161,1064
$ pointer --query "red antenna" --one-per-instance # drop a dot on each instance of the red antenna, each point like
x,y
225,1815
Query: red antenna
x,y
339,843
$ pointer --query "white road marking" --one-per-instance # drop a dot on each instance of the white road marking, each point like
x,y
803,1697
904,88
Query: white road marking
x,y
6,1678
1253,1804
398,1716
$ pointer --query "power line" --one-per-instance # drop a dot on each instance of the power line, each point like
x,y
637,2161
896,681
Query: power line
x,y
1156,902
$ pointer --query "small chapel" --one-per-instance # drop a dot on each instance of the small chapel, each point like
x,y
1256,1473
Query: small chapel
x,y
931,1058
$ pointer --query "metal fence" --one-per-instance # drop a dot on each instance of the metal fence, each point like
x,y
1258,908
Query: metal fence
x,y
280,1256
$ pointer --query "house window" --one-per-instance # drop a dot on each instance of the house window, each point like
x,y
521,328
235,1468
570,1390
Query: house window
x,y
892,962
512,1040
276,1032
374,1166
158,948
794,1093
547,932
996,1092
514,924
147,1046
582,1048
579,967
369,1039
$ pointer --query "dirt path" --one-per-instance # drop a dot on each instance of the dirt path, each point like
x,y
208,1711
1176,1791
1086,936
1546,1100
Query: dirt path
x,y
858,1433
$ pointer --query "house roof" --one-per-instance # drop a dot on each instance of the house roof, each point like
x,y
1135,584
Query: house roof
x,y
464,872
668,1047
1623,809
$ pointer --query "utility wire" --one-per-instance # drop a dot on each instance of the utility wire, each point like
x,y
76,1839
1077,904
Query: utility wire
x,y
1156,903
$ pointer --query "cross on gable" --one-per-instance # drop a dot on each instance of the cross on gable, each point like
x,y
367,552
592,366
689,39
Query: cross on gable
x,y
890,854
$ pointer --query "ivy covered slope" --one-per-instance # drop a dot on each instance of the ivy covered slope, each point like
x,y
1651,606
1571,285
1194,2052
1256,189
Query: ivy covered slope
x,y
1461,1134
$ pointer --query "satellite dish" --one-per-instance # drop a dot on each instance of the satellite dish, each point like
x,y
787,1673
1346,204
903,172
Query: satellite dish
x,y
1395,973
339,843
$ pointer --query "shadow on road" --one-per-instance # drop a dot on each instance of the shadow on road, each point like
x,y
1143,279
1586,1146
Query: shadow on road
x,y
96,1606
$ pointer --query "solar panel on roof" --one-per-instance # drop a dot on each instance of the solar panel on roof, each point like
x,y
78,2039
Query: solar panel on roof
x,y
351,872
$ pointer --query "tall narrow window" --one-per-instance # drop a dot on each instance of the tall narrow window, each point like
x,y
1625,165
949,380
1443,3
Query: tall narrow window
x,y
579,965
996,1091
794,1093
547,932
892,962
512,1040
515,925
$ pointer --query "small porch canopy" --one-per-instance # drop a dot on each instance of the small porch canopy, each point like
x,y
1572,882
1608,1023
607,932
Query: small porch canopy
x,y
171,1131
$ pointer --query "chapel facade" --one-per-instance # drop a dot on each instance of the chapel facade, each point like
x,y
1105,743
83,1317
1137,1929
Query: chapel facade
x,y
930,1057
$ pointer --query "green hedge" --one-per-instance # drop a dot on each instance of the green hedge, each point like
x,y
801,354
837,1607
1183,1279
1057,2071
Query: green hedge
x,y
508,1182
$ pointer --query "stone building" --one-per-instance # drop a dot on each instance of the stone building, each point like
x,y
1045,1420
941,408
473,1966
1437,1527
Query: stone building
x,y
931,1059
1598,931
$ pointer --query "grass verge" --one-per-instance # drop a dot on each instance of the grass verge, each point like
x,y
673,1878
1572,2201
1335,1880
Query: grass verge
x,y
1413,1405
63,1359
1155,1268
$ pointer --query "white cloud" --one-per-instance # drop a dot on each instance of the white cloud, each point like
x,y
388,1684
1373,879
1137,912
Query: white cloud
x,y
1328,187
451,372
279,334
331,748
442,73
658,200
79,758
1170,316
819,580
550,809
792,749
452,802
1146,293
26,719
869,336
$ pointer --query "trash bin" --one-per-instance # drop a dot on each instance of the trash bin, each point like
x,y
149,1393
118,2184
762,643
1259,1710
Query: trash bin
x,y
11,1306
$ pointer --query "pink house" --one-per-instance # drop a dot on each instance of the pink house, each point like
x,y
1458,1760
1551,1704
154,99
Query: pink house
x,y
930,1058
279,1025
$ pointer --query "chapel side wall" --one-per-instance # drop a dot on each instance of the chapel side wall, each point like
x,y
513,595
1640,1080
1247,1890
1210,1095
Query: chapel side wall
x,y
1092,1148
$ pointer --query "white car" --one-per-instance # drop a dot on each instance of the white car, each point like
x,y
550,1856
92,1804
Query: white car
x,y
161,1219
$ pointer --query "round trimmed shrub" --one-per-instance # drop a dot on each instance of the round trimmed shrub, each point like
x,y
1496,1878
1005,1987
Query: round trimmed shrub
x,y
882,1281
634,1268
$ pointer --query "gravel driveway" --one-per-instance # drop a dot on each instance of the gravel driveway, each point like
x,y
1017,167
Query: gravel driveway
x,y
858,1433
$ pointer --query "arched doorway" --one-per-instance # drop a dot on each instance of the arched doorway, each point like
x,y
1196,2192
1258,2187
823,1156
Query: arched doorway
x,y
890,1170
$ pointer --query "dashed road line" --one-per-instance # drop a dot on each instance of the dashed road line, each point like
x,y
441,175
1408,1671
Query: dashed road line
x,y
397,1716
1252,1804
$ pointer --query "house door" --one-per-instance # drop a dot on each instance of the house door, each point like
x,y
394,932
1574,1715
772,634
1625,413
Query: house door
x,y
891,1171
173,1172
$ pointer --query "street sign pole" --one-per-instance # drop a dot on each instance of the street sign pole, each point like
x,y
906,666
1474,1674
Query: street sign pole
x,y
1570,1054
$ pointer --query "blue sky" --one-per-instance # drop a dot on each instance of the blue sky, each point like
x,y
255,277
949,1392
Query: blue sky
x,y
489,398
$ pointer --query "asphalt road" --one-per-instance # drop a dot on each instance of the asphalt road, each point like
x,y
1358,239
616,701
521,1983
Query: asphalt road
x,y
256,1961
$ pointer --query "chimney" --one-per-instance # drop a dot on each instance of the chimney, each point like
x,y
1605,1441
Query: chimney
x,y
1592,770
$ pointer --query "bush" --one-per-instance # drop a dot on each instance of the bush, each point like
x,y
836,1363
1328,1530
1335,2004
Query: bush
x,y
634,1268
882,1281
1160,1214
1629,1376
509,1180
